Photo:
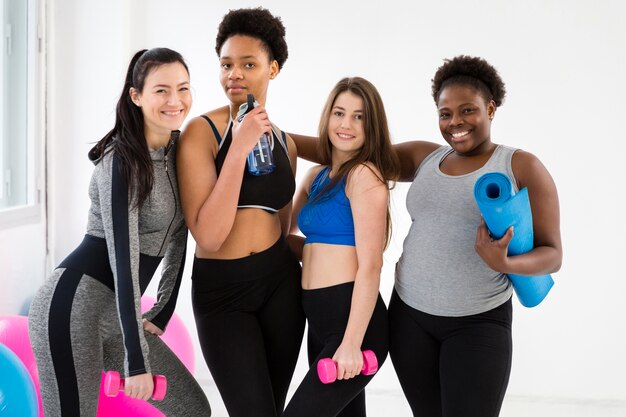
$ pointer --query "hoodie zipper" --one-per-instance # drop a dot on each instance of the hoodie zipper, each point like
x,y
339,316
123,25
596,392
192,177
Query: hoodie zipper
x,y
169,179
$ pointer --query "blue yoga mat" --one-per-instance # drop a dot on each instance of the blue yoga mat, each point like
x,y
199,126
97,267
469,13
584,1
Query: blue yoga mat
x,y
502,208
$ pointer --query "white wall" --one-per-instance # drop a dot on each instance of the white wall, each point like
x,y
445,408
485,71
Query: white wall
x,y
563,62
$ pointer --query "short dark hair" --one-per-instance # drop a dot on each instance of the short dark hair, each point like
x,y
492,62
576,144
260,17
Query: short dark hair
x,y
471,71
257,23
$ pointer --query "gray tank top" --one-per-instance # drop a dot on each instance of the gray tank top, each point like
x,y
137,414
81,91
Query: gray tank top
x,y
439,271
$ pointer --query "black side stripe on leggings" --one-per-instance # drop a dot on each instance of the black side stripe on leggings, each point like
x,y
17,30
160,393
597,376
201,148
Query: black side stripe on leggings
x,y
59,334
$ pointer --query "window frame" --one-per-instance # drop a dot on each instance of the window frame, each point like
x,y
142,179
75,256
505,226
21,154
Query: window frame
x,y
31,212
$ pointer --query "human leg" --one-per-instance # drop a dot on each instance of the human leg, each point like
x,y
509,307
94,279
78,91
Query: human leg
x,y
476,364
415,356
282,324
184,397
227,296
63,327
328,311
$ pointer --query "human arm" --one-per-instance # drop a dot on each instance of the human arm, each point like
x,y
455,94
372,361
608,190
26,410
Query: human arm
x,y
120,221
157,318
368,200
546,255
307,147
210,202
411,154
285,212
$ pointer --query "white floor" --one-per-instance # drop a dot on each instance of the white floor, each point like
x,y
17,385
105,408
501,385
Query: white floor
x,y
393,404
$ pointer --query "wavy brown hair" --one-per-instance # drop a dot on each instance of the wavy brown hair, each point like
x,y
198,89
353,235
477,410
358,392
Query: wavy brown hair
x,y
376,148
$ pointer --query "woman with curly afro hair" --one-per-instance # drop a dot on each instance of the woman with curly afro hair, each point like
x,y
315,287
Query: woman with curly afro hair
x,y
450,312
245,279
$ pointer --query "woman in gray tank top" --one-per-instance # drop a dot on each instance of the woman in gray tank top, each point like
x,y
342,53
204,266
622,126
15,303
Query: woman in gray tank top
x,y
450,313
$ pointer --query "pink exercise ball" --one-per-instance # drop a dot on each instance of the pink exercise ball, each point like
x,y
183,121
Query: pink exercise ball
x,y
14,335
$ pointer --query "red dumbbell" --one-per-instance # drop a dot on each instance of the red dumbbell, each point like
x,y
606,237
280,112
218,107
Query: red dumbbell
x,y
327,369
113,385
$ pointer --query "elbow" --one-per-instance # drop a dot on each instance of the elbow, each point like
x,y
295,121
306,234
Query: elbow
x,y
372,269
558,261
206,242
210,245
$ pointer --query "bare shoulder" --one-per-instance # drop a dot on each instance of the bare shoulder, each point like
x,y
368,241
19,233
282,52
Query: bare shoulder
x,y
195,135
312,173
198,133
291,147
528,169
291,144
365,171
365,178
219,116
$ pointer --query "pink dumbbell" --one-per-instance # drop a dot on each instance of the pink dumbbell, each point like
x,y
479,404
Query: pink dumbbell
x,y
113,385
327,369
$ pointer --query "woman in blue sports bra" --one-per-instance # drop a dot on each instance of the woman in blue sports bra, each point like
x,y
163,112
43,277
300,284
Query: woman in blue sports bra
x,y
342,208
245,279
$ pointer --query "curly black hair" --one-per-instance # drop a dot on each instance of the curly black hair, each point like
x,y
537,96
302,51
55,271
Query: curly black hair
x,y
258,23
471,71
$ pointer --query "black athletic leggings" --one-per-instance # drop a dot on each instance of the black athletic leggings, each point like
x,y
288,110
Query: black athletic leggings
x,y
250,325
451,366
327,311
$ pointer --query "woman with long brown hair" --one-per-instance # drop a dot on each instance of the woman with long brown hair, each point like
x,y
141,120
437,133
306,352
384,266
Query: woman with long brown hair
x,y
342,208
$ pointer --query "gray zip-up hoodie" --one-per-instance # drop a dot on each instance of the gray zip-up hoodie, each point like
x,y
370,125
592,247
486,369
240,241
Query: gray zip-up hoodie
x,y
137,239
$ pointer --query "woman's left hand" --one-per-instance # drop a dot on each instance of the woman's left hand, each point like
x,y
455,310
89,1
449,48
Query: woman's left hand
x,y
493,251
349,360
151,328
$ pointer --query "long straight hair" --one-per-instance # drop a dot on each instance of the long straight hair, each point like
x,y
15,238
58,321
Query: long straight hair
x,y
127,138
376,148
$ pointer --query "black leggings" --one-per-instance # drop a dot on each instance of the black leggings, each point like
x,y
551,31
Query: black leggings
x,y
451,366
250,325
327,310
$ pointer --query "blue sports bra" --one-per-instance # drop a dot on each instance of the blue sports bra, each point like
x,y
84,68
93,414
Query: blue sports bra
x,y
327,219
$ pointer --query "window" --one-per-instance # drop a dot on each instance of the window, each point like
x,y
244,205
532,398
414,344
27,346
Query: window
x,y
19,111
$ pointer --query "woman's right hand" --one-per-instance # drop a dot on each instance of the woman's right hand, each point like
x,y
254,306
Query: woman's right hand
x,y
349,360
247,133
139,386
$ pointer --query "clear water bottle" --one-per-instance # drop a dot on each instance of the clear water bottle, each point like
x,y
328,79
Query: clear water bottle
x,y
260,159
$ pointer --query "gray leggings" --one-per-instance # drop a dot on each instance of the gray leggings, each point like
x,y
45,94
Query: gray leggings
x,y
75,334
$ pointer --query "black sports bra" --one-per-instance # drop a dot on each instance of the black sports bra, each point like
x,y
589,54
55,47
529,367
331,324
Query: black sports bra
x,y
269,192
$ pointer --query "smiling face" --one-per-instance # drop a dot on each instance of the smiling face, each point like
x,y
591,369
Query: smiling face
x,y
465,119
246,69
345,125
165,100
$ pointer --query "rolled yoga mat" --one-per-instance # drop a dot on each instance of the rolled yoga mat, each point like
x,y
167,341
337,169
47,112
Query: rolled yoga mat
x,y
502,208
